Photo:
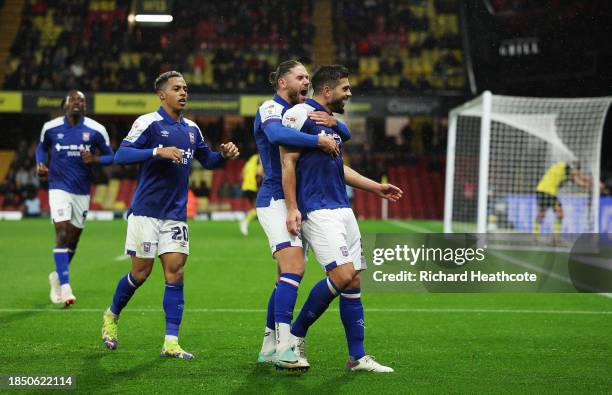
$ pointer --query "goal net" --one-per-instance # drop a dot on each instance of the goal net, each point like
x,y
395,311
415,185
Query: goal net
x,y
500,147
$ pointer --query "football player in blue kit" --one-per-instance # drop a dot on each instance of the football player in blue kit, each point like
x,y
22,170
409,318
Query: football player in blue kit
x,y
290,81
67,148
164,143
314,187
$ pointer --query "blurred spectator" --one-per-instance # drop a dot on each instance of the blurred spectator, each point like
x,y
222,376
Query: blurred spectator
x,y
221,46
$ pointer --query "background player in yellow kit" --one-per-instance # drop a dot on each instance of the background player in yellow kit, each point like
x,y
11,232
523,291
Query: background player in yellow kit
x,y
252,174
548,187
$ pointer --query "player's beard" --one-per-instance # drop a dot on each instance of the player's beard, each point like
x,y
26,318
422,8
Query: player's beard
x,y
337,106
294,96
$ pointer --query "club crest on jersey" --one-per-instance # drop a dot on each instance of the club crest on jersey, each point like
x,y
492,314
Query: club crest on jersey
x,y
191,137
344,251
85,136
165,133
146,246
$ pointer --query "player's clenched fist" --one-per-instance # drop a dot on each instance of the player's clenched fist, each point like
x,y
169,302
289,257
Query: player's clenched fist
x,y
88,157
42,170
172,153
229,150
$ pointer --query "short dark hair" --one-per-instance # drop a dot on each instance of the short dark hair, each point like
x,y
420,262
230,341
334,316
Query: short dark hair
x,y
328,75
163,78
282,69
65,99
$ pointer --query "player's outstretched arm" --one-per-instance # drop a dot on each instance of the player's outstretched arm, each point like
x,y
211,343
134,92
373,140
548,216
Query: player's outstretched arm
x,y
581,179
384,191
211,159
283,135
127,155
289,158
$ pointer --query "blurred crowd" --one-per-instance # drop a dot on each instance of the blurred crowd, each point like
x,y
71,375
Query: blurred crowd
x,y
19,189
90,44
231,46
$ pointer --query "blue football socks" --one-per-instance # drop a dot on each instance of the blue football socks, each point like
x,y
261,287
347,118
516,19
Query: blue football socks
x,y
351,313
123,293
174,302
318,301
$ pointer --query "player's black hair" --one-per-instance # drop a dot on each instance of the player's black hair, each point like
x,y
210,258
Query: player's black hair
x,y
65,98
282,69
163,78
329,75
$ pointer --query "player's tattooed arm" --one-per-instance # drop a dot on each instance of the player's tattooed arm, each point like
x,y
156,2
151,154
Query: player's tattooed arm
x,y
382,190
289,158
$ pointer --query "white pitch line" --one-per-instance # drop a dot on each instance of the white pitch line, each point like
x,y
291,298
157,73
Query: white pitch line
x,y
408,226
372,310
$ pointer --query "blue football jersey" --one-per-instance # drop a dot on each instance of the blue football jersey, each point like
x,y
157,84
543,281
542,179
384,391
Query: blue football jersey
x,y
271,186
64,143
162,187
320,176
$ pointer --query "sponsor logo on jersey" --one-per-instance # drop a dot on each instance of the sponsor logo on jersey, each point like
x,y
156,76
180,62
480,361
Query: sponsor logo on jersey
x,y
72,148
165,133
291,122
60,136
85,136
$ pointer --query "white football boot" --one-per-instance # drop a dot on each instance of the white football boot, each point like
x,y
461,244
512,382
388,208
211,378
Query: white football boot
x,y
299,348
367,364
55,295
68,297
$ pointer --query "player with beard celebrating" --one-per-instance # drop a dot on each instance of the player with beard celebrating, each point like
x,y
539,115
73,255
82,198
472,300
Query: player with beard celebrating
x,y
291,82
329,226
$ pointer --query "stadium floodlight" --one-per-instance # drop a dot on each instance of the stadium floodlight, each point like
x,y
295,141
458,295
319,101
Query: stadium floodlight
x,y
151,18
499,147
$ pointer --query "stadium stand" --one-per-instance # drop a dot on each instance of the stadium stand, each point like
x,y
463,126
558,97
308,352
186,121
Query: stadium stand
x,y
53,49
398,44
412,45
394,46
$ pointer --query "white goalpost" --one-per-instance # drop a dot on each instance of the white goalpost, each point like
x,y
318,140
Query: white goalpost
x,y
499,147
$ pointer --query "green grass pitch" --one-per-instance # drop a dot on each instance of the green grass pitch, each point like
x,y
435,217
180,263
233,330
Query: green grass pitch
x,y
450,343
